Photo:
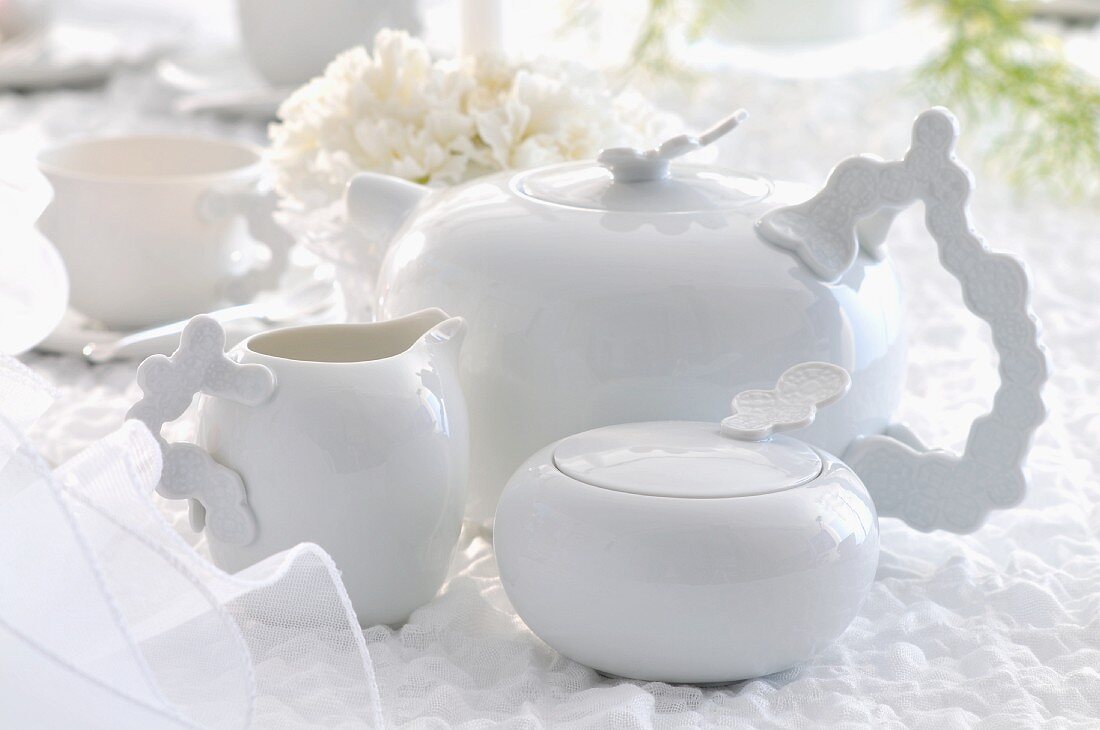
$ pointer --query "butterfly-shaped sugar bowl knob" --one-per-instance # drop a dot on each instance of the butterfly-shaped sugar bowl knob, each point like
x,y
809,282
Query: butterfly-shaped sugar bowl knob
x,y
792,404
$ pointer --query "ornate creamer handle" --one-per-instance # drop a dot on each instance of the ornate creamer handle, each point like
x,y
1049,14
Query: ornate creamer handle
x,y
932,489
168,385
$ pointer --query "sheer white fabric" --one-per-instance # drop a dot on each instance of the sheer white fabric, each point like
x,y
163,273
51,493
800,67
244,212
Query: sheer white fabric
x,y
107,616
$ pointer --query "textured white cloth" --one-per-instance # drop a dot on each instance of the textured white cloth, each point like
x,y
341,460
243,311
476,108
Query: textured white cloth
x,y
998,629
1001,627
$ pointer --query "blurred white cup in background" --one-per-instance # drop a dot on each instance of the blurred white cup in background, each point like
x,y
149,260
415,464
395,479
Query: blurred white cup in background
x,y
152,229
290,41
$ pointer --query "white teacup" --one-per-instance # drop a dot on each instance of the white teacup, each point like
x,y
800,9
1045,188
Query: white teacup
x,y
156,229
290,41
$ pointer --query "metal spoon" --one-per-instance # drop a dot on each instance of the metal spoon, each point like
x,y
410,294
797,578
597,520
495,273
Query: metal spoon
x,y
302,302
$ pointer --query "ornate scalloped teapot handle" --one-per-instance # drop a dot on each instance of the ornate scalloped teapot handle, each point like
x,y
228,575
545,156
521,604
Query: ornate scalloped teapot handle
x,y
931,489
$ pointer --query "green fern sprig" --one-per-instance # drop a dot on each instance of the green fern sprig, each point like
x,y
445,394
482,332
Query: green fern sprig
x,y
1045,112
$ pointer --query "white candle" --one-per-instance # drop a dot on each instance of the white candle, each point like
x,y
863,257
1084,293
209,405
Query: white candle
x,y
481,25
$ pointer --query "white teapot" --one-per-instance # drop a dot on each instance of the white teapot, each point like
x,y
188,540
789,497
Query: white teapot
x,y
633,288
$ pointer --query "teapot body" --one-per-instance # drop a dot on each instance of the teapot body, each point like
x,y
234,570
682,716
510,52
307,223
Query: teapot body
x,y
584,318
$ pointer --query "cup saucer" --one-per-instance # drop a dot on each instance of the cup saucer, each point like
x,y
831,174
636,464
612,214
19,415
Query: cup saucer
x,y
75,330
34,289
219,80
70,55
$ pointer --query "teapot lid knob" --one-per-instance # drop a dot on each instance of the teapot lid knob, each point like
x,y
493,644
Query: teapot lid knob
x,y
793,403
628,164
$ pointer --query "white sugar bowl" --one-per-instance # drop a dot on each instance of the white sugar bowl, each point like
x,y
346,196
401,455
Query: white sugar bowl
x,y
693,552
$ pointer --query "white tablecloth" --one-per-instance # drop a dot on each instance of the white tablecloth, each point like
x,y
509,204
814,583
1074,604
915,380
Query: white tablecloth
x,y
996,629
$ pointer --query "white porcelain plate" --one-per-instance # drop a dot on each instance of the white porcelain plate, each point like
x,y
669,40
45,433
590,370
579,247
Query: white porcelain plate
x,y
69,55
903,44
219,81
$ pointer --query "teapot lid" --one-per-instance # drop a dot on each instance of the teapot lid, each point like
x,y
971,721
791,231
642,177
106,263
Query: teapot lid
x,y
684,459
632,180
687,188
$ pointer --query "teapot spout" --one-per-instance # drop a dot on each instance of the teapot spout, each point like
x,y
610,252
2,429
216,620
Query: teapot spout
x,y
379,204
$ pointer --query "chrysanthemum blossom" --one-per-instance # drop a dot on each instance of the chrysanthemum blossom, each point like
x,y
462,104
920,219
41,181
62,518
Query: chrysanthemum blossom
x,y
398,112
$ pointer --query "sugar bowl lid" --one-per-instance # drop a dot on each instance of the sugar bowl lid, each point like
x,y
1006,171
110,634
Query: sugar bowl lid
x,y
628,179
738,458
684,459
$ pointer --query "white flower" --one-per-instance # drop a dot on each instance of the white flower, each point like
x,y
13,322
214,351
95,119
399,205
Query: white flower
x,y
396,111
